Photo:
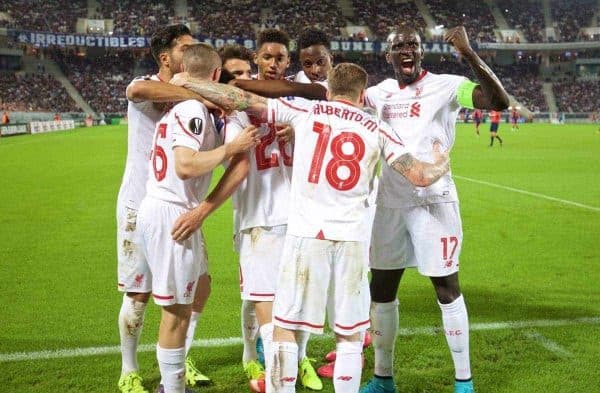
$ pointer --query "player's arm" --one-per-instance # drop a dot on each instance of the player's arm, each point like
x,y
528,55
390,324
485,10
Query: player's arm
x,y
229,97
156,91
420,173
189,222
192,163
282,88
490,93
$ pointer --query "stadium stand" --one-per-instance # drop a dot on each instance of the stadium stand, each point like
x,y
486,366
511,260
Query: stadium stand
x,y
225,19
34,93
101,81
526,16
475,16
571,16
42,15
577,96
135,17
380,17
325,15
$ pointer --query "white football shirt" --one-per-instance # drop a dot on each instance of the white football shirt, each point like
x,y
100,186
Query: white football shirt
x,y
337,147
262,199
420,113
141,118
188,124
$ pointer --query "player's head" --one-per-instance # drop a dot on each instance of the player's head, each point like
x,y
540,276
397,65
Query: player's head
x,y
236,61
315,58
347,80
405,53
202,61
167,46
272,54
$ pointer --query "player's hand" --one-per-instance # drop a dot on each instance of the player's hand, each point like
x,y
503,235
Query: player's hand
x,y
457,36
246,140
186,224
180,79
440,156
285,133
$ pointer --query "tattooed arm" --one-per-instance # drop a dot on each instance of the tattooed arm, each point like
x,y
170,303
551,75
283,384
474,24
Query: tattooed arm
x,y
419,173
230,97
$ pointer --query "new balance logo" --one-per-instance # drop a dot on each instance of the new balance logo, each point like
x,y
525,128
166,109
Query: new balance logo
x,y
418,92
344,378
415,109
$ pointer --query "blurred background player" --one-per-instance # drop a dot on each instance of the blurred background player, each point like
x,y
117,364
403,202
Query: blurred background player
x,y
421,226
186,149
477,118
495,117
143,94
236,62
514,119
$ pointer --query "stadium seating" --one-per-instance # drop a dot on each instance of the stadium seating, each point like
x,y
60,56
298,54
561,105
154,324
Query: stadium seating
x,y
42,15
325,15
571,16
379,16
526,16
474,15
34,93
577,96
135,17
224,19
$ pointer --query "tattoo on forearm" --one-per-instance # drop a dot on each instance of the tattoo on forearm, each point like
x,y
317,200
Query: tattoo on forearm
x,y
225,96
404,163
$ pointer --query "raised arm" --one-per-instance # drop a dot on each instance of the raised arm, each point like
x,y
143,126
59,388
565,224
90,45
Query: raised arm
x,y
282,88
420,173
156,91
229,97
490,93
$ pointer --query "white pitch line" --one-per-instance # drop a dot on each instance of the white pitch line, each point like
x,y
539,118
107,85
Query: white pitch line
x,y
549,344
534,194
229,341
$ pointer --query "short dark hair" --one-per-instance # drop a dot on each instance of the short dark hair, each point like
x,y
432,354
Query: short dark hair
x,y
311,36
163,39
273,35
234,51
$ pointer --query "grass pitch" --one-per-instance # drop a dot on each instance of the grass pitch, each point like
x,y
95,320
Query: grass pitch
x,y
529,269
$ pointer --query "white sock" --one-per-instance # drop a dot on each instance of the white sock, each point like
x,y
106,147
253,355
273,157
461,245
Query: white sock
x,y
348,366
282,369
249,331
456,327
266,333
189,335
384,329
131,321
302,340
171,363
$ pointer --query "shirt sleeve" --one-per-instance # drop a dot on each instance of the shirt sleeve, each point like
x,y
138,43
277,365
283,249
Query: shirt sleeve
x,y
189,123
371,97
390,143
234,124
287,110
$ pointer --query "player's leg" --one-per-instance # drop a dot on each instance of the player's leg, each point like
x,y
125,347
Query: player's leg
x,y
249,331
438,242
499,139
299,305
391,252
134,279
170,351
193,375
348,310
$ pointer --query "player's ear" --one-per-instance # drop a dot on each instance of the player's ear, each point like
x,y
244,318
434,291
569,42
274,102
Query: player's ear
x,y
216,74
328,95
255,57
361,97
388,57
164,59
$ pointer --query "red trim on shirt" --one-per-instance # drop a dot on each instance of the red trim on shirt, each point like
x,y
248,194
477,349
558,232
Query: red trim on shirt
x,y
346,102
299,323
353,326
159,78
389,155
163,297
292,106
390,138
262,294
421,76
321,235
186,131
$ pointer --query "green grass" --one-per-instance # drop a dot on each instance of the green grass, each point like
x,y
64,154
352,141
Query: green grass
x,y
524,258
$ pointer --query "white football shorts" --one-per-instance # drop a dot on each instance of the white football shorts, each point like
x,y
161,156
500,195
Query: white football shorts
x,y
260,253
133,272
428,237
319,276
175,266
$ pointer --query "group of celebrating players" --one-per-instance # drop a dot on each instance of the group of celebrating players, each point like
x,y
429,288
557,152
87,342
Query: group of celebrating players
x,y
311,215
